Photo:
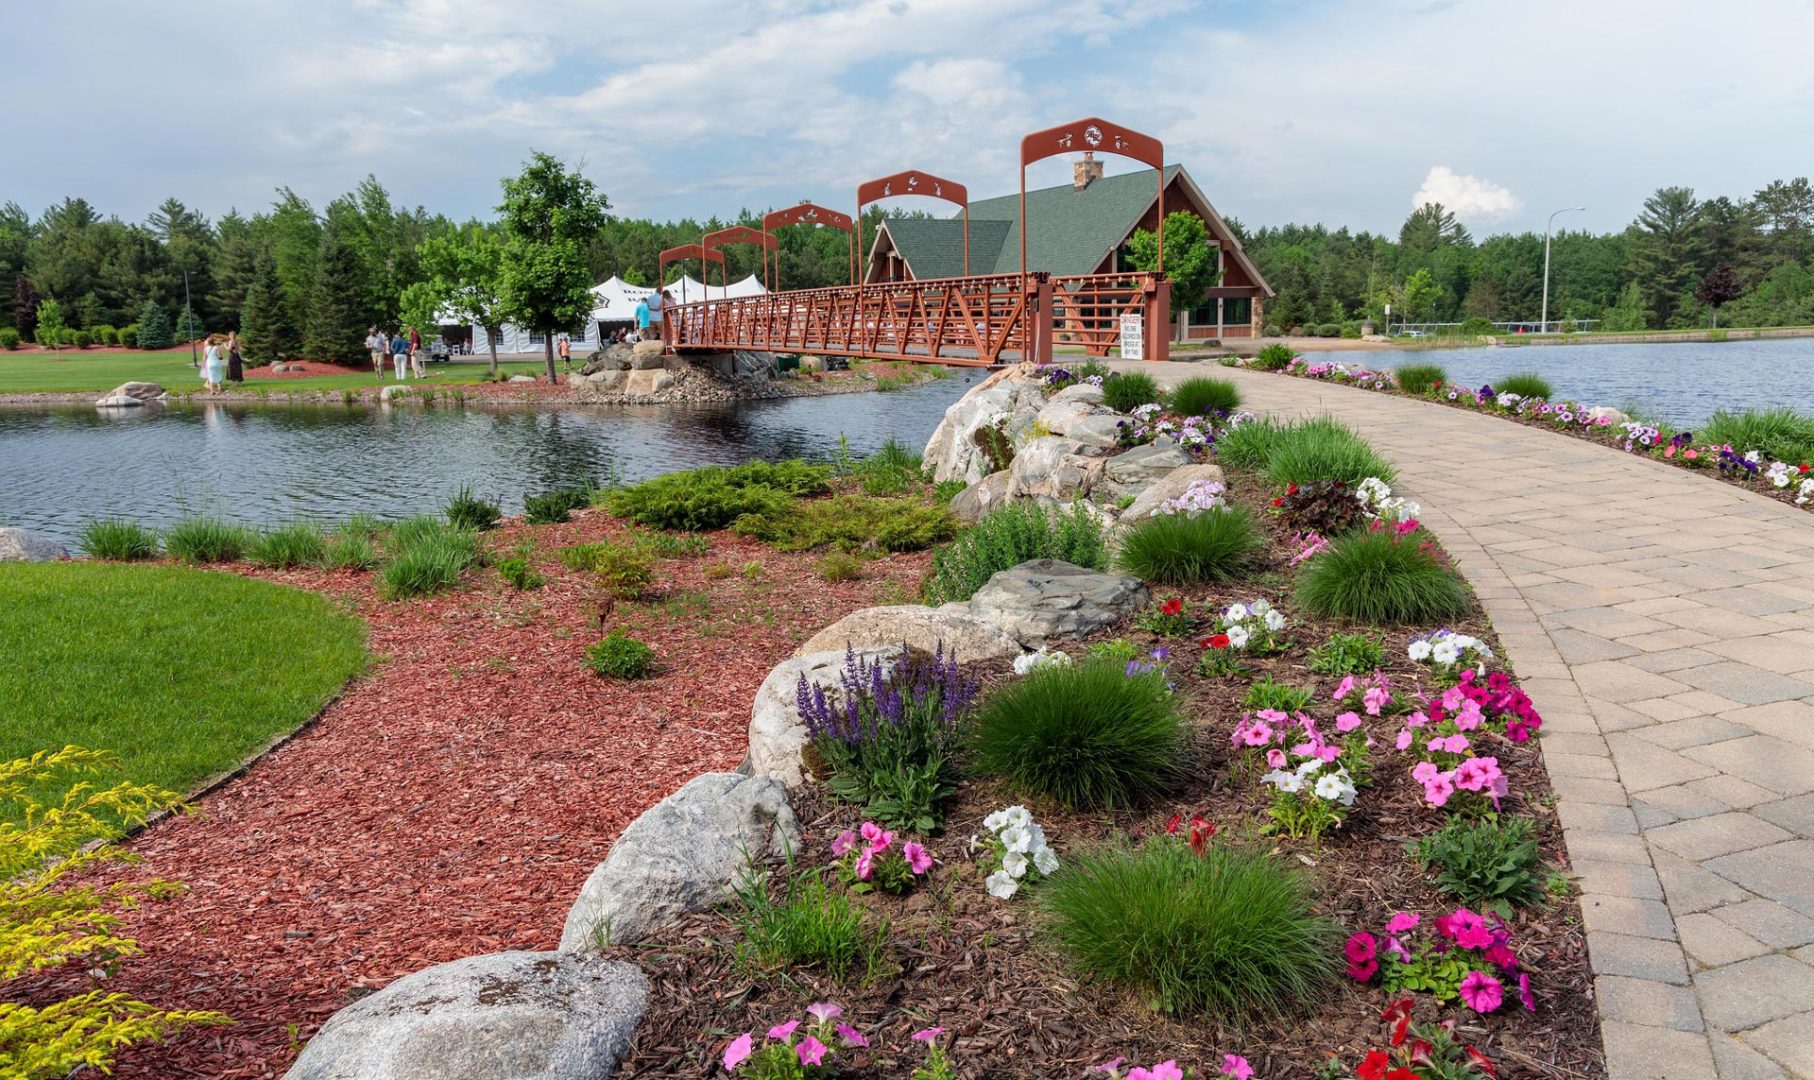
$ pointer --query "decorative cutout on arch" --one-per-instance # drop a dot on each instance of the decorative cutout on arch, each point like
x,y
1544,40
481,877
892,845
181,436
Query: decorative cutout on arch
x,y
692,251
1095,135
915,182
807,214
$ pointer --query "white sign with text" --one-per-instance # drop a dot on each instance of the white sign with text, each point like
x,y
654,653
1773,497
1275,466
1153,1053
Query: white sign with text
x,y
1133,337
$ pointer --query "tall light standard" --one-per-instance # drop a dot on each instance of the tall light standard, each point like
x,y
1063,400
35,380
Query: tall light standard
x,y
1543,323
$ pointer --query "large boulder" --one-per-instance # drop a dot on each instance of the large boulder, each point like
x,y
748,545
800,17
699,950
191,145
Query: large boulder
x,y
1009,395
646,356
777,734
680,856
647,382
1084,392
607,379
975,502
1054,467
1133,471
918,627
611,358
522,1015
1169,486
131,395
1609,414
1046,599
19,545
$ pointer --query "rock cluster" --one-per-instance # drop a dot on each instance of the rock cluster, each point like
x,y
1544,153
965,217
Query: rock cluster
x,y
19,545
132,395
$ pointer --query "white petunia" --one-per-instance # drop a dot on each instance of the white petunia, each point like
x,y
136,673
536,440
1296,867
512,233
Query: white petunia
x,y
1307,767
1019,817
1000,885
1418,650
1015,864
1259,607
996,822
1016,838
1444,652
1237,637
1334,787
1235,613
1045,860
1289,783
1275,621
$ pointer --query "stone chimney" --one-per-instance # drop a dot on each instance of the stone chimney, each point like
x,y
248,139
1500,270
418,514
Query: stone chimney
x,y
1082,172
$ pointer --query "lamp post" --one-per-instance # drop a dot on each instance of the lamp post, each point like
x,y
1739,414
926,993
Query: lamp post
x,y
1543,323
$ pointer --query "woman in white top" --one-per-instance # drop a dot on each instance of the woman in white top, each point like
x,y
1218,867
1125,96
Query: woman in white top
x,y
213,368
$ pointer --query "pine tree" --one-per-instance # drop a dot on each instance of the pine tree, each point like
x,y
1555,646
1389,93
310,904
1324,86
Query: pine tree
x,y
267,333
188,326
337,313
154,327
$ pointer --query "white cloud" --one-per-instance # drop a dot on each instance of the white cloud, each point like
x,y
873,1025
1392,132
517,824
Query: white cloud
x,y
1468,197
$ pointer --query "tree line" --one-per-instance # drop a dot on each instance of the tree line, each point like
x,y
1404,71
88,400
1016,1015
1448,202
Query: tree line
x,y
1682,258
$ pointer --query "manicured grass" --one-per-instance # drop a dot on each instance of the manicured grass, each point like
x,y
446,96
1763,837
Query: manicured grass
x,y
183,673
28,372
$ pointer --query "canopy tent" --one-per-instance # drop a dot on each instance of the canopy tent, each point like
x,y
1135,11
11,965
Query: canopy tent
x,y
510,339
685,290
615,300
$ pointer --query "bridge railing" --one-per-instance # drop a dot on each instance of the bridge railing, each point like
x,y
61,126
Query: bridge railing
x,y
980,321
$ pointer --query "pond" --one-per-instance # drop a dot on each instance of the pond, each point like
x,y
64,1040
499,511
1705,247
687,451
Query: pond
x,y
1683,382
262,464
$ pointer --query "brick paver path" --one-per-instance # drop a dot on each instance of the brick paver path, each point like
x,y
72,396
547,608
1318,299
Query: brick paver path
x,y
1663,623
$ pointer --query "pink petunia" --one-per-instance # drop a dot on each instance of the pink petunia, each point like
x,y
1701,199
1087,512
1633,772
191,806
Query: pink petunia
x,y
1468,717
783,1031
1437,789
1375,699
823,1011
1474,775
930,1035
1424,771
1417,719
1470,930
1113,1066
1348,721
1235,1066
811,1051
845,841
1168,1070
1481,992
866,864
881,842
871,831
851,1036
1258,733
1343,690
1525,996
919,860
1404,739
1275,758
1403,921
1360,947
738,1052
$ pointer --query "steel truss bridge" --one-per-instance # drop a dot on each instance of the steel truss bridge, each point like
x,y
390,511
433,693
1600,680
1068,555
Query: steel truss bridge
x,y
975,320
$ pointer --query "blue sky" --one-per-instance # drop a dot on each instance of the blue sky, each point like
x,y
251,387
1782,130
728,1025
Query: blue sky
x,y
1295,110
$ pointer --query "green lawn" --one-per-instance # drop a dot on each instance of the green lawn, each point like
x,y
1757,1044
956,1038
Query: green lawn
x,y
183,673
28,372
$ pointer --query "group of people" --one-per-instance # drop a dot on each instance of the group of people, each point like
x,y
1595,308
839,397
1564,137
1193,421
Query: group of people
x,y
221,363
404,352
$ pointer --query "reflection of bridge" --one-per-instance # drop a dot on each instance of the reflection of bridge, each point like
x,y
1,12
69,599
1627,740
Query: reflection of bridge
x,y
973,320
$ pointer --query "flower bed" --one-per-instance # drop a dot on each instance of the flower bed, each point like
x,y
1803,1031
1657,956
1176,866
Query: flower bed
x,y
979,956
1785,481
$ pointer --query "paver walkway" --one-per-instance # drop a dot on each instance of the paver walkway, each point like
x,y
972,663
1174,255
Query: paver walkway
x,y
1663,623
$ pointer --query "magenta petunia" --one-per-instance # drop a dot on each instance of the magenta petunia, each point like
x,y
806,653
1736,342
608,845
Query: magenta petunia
x,y
811,1051
783,1031
1481,992
930,1035
1403,921
1235,1066
851,1036
738,1052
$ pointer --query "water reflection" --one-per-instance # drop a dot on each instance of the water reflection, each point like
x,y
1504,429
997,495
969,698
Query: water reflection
x,y
264,463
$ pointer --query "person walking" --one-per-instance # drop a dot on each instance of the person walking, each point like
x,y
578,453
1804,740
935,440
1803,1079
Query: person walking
x,y
236,367
642,317
418,361
380,347
400,355
566,348
212,369
658,301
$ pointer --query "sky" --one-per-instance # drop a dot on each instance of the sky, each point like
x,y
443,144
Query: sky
x,y
1339,111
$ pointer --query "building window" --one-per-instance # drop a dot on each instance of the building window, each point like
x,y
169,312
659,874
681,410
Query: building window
x,y
1234,311
536,337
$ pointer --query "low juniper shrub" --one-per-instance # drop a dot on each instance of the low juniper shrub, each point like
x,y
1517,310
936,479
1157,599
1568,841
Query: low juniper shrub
x,y
620,656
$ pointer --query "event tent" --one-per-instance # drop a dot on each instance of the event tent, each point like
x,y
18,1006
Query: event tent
x,y
686,290
615,300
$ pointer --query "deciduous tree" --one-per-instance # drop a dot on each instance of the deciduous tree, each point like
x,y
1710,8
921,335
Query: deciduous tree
x,y
550,214
1191,261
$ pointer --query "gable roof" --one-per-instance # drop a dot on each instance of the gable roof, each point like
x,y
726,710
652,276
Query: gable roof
x,y
1072,230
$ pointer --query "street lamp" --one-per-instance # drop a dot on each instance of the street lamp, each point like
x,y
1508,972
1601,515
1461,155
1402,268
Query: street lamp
x,y
1543,323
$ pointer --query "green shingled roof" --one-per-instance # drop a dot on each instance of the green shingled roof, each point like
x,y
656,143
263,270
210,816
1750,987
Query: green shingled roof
x,y
1072,230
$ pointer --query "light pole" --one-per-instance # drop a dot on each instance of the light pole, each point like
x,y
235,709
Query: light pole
x,y
1543,322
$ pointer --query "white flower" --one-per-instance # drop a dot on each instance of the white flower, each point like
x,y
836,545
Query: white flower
x,y
996,822
1015,864
1000,885
1045,860
1016,839
1444,652
1418,650
1306,768
1028,662
1275,621
1259,607
1289,783
1754,456
1038,833
1334,787
1778,472
1235,613
1237,637
1019,817
1372,489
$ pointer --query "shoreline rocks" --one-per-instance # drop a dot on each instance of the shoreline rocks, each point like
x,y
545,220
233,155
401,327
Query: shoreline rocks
x,y
23,545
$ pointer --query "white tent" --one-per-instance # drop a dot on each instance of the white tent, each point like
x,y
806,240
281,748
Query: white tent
x,y
686,290
615,300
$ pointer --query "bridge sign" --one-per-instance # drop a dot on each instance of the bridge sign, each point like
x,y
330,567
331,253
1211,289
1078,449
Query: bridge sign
x,y
1133,336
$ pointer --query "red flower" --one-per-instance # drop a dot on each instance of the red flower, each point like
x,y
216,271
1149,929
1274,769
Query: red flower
x,y
1200,831
1171,607
1171,827
1278,502
1402,1074
1420,1052
1398,1014
1373,1066
1291,489
1479,1061
1216,641
1804,468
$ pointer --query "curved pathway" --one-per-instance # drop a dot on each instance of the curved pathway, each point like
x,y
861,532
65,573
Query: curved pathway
x,y
1663,623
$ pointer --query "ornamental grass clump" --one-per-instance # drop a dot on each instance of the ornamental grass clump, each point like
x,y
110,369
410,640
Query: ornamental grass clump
x,y
1186,549
1229,933
1016,533
1248,445
1202,397
553,507
425,555
1274,357
117,540
467,511
1320,449
1525,384
1090,735
1126,391
1783,434
889,733
207,540
1421,378
1378,577
300,543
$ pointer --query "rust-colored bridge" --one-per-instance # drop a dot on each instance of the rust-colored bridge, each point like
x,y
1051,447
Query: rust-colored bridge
x,y
979,320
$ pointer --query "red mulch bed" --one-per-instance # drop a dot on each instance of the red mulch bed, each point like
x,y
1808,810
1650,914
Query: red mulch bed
x,y
301,369
452,800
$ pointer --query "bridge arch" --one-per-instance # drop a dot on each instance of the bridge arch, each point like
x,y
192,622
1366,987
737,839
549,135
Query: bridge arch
x,y
916,182
807,213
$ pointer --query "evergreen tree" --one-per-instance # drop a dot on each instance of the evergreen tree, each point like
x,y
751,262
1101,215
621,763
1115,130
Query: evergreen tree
x,y
1628,314
267,334
189,325
154,327
338,317
1667,247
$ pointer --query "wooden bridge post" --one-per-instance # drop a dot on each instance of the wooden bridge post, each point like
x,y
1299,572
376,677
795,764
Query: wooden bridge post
x,y
1042,319
1158,320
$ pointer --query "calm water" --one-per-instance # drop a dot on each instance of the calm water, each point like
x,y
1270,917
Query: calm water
x,y
262,463
1682,382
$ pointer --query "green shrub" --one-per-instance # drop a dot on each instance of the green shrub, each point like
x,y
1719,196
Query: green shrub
x,y
207,540
1248,445
1475,326
105,335
1782,434
1118,651
9,338
626,572
1201,397
1377,577
1524,384
1329,330
1186,549
553,507
1348,654
1492,863
665,545
349,549
467,511
1012,535
1321,448
1351,329
299,543
518,570
1268,694
117,539
1089,735
839,566
129,335
1421,378
620,656
810,925
1126,391
852,521
1274,357
1232,934
153,328
426,555
80,339
712,498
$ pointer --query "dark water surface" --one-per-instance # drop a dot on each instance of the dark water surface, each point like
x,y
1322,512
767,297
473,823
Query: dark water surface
x,y
262,464
1683,382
